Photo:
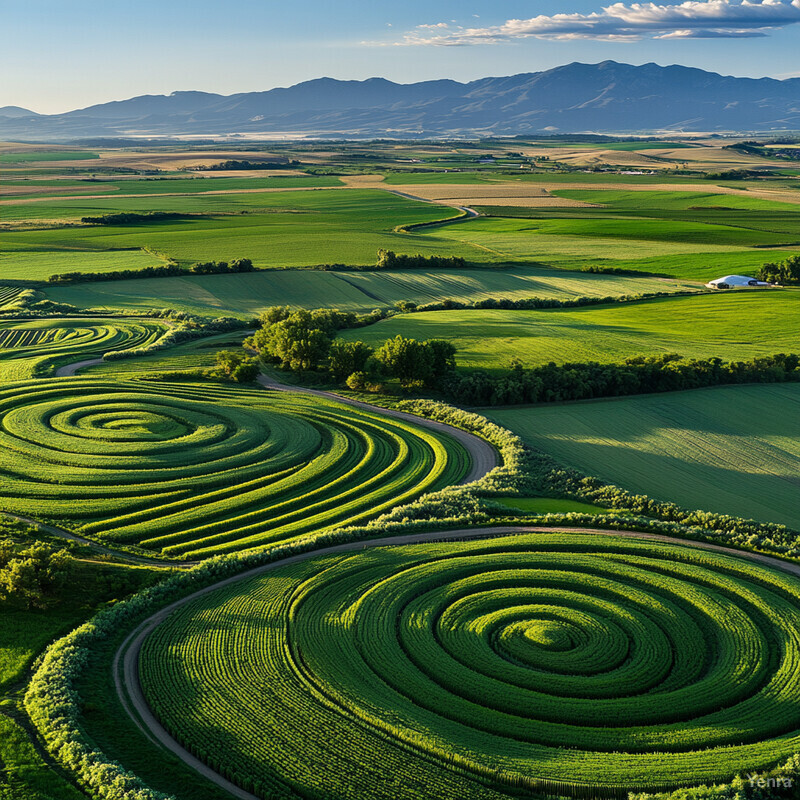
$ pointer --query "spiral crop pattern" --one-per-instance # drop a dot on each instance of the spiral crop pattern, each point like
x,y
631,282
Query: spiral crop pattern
x,y
565,663
37,346
196,469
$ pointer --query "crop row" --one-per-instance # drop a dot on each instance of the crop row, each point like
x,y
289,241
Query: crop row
x,y
37,347
543,662
8,294
194,469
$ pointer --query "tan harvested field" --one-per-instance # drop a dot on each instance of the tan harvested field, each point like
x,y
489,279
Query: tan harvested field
x,y
711,157
529,194
504,193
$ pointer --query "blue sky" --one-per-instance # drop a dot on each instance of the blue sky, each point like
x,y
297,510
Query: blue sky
x,y
58,55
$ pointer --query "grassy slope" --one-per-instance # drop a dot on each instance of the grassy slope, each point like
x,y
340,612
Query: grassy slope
x,y
190,356
358,291
39,266
733,450
732,326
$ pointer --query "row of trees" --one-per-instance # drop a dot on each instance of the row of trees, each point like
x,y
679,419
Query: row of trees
x,y
388,259
304,340
235,365
167,271
582,381
529,303
237,164
786,272
135,217
222,267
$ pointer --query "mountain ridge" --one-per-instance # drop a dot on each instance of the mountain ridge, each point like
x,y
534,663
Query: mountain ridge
x,y
577,97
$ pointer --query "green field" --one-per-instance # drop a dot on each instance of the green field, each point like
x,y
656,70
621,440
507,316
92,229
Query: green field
x,y
8,294
684,234
551,505
732,450
173,185
37,347
692,249
40,265
280,229
196,469
29,156
474,670
733,326
248,294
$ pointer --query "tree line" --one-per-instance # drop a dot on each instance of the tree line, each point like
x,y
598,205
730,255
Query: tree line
x,y
786,272
167,271
388,259
639,375
244,164
135,217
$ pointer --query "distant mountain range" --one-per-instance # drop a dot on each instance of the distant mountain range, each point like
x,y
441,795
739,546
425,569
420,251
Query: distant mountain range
x,y
602,98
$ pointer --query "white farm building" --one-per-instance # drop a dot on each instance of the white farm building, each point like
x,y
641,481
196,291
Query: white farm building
x,y
734,282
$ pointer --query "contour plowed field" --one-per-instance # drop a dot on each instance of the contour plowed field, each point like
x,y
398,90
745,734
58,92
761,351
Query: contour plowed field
x,y
194,469
531,662
33,347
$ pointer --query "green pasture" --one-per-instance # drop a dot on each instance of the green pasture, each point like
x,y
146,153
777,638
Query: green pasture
x,y
26,775
734,326
280,229
24,633
687,235
528,663
194,469
402,178
248,294
551,505
732,450
29,156
181,185
576,243
32,265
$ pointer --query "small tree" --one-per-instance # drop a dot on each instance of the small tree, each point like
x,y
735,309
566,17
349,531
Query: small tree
x,y
406,359
442,356
236,365
345,358
31,575
295,341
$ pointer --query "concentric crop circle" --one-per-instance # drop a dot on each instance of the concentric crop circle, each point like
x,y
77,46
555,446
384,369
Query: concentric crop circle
x,y
193,469
531,662
38,346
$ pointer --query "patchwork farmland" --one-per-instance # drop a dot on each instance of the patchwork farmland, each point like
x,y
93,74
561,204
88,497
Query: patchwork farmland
x,y
291,483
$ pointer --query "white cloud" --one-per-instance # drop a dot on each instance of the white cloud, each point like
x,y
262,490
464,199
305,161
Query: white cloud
x,y
693,19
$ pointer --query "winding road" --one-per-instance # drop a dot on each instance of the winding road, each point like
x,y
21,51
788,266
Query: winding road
x,y
483,456
126,659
